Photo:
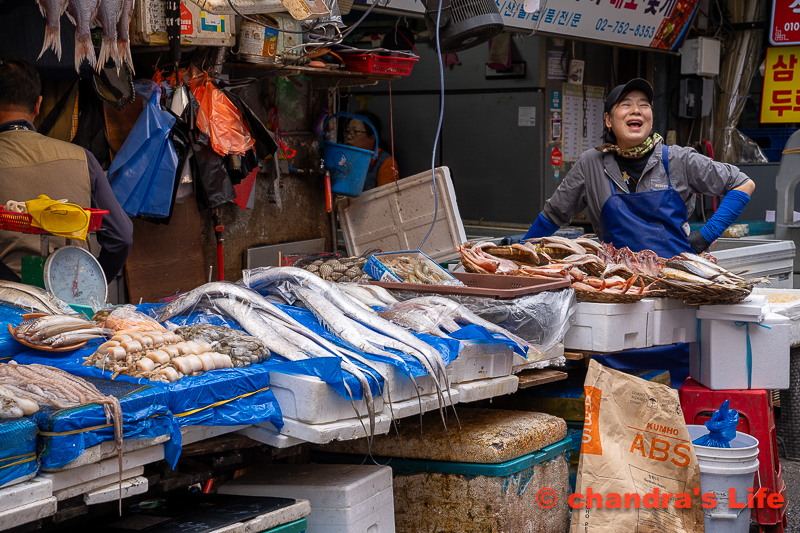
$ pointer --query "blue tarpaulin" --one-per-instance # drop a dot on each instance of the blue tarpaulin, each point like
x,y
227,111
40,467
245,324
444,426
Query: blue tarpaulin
x,y
673,357
17,450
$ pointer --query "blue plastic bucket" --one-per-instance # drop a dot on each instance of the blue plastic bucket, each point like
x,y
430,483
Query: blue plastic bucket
x,y
348,165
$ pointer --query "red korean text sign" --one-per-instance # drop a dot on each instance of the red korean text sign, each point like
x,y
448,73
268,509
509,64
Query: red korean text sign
x,y
780,101
785,23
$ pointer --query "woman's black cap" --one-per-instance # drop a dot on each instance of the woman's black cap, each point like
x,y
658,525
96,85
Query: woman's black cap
x,y
636,84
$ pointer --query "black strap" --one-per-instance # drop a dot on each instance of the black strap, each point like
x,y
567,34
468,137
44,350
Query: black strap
x,y
51,118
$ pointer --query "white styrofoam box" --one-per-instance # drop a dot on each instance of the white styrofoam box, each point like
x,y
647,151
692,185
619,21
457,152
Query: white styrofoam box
x,y
602,327
129,487
377,270
108,449
192,434
106,467
429,402
19,480
397,216
344,498
484,389
269,436
269,521
758,257
310,400
349,429
789,309
719,360
752,309
23,493
30,512
670,322
89,486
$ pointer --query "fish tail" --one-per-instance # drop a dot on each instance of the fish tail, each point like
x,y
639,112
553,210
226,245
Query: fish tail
x,y
124,52
108,50
84,50
52,39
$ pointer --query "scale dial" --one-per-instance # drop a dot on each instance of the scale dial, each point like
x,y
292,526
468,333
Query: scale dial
x,y
74,275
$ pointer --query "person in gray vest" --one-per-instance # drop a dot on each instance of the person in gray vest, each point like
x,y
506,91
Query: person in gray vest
x,y
383,169
32,164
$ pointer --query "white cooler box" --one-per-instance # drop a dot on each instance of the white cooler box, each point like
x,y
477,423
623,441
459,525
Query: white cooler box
x,y
344,498
719,359
602,327
671,322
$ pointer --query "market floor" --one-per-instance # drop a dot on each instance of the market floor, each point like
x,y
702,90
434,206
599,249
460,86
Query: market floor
x,y
791,476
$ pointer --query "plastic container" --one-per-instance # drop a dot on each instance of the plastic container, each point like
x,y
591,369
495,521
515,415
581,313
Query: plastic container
x,y
352,499
671,322
494,286
375,64
21,222
720,359
375,269
771,140
348,165
604,327
722,469
310,400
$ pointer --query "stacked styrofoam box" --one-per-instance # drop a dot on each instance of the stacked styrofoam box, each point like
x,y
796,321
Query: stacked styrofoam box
x,y
671,322
719,359
605,327
788,308
26,502
310,400
344,499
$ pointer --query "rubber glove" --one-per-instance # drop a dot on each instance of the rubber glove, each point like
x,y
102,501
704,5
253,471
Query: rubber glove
x,y
542,227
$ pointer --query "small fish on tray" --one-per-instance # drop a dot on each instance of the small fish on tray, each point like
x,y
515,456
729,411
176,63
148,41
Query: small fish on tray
x,y
50,332
412,270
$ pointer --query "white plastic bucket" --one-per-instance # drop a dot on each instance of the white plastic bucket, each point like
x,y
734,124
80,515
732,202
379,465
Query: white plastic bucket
x,y
722,469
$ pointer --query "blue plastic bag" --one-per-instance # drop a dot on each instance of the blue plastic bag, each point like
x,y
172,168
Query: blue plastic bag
x,y
142,174
721,428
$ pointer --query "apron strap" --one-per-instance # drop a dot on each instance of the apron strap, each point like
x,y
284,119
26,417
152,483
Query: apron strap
x,y
665,158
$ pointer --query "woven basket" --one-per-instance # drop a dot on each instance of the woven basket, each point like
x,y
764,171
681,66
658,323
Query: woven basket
x,y
705,295
607,297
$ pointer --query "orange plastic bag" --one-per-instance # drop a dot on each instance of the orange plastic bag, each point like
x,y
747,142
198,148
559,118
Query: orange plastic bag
x,y
223,123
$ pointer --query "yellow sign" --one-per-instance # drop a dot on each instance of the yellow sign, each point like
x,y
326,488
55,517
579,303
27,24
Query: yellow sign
x,y
780,101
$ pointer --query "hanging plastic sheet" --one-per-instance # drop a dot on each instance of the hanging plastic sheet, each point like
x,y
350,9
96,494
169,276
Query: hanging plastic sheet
x,y
18,459
265,142
142,174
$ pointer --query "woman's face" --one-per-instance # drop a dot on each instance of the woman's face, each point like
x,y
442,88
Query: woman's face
x,y
359,135
631,120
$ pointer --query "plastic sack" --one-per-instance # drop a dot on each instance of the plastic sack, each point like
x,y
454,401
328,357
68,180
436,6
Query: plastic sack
x,y
213,185
721,428
223,123
142,174
59,218
127,318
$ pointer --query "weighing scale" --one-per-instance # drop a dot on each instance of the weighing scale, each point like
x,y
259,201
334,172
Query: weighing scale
x,y
74,275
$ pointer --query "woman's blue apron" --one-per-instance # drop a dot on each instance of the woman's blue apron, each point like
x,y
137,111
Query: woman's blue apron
x,y
650,220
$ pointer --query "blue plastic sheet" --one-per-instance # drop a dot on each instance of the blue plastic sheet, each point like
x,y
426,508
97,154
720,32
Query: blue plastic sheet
x,y
674,357
142,174
721,427
17,450
8,346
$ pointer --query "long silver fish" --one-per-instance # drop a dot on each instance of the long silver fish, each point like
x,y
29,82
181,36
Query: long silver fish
x,y
361,294
32,298
123,33
711,266
462,314
108,15
255,325
382,294
81,13
52,11
188,300
414,317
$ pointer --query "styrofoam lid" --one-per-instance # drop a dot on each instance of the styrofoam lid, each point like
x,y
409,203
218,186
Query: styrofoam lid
x,y
755,305
397,216
325,486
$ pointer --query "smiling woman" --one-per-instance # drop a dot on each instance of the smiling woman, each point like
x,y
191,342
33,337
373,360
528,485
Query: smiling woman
x,y
638,191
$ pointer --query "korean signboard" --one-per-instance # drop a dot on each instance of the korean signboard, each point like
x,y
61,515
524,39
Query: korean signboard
x,y
785,23
645,23
780,101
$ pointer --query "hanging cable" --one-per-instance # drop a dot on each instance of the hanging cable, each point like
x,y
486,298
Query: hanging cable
x,y
438,128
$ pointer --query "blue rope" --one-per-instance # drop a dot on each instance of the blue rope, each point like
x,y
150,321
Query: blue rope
x,y
749,349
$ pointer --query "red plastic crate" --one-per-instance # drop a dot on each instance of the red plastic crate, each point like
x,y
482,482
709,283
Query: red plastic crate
x,y
21,222
375,64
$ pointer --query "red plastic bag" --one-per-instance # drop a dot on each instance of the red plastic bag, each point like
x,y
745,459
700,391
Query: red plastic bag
x,y
223,123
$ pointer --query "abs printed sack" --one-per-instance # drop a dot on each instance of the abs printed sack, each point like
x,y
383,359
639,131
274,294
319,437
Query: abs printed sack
x,y
638,470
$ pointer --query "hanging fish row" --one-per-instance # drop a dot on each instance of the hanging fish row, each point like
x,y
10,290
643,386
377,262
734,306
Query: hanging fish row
x,y
113,15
